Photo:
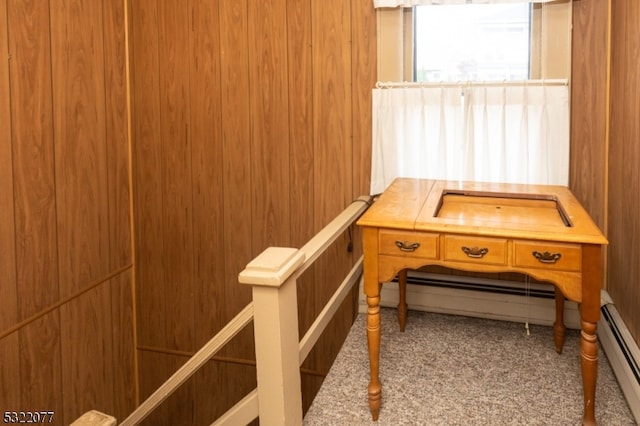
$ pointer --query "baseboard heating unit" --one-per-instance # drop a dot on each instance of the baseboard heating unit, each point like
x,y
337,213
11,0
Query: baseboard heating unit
x,y
622,352
519,302
478,297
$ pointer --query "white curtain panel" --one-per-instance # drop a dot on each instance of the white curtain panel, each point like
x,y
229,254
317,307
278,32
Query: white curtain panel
x,y
410,3
516,133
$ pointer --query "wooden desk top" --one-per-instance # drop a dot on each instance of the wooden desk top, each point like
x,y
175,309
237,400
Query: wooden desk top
x,y
534,212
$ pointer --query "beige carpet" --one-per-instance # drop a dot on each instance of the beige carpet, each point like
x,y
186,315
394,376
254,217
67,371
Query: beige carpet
x,y
453,370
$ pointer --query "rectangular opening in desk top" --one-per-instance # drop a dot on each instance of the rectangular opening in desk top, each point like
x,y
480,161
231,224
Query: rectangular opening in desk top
x,y
502,208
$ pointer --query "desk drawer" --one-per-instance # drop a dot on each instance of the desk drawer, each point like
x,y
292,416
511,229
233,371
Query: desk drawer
x,y
411,244
533,254
491,251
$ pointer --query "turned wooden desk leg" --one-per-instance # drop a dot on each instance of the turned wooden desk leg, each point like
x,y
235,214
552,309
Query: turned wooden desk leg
x,y
589,355
589,316
558,326
373,340
402,299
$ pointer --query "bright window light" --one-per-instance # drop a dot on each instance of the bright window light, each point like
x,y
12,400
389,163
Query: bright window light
x,y
472,42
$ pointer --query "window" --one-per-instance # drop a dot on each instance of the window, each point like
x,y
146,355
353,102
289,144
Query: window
x,y
537,45
481,42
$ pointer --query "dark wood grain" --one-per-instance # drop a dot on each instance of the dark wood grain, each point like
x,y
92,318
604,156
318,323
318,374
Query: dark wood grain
x,y
123,321
206,134
34,202
268,109
9,355
624,174
588,147
301,143
150,268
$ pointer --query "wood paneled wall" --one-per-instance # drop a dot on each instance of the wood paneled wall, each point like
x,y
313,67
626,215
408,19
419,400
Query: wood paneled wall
x,y
66,299
624,164
251,125
605,139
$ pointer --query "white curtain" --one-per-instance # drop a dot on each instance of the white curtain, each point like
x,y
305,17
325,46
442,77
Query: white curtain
x,y
409,3
516,133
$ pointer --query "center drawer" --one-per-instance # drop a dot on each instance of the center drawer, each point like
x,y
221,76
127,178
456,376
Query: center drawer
x,y
462,248
410,244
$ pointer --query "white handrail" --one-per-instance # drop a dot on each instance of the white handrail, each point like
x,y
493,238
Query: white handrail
x,y
323,239
242,413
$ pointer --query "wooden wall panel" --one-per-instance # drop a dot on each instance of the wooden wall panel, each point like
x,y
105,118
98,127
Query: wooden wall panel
x,y
206,127
300,120
268,106
588,149
163,211
87,353
147,174
81,201
116,134
333,151
175,144
9,377
301,170
364,60
79,140
238,183
123,380
624,174
65,222
34,202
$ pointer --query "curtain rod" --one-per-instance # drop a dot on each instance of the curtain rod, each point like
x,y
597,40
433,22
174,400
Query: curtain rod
x,y
409,84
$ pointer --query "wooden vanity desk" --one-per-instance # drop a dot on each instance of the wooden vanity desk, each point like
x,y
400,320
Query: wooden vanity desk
x,y
538,230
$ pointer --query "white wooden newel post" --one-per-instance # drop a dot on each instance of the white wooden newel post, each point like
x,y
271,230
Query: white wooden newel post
x,y
275,318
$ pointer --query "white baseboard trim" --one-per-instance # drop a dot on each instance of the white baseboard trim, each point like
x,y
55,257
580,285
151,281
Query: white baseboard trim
x,y
480,298
623,355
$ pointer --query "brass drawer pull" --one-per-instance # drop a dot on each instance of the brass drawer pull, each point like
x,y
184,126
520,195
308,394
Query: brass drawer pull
x,y
475,252
408,247
546,257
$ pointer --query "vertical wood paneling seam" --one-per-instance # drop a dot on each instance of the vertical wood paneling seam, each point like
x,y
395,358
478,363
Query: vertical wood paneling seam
x,y
132,228
5,111
10,382
110,244
607,144
189,130
55,232
289,119
250,143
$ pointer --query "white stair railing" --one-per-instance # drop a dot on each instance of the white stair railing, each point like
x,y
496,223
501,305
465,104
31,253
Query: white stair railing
x,y
273,275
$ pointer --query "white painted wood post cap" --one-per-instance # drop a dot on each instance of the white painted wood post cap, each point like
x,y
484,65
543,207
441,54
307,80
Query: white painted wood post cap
x,y
272,267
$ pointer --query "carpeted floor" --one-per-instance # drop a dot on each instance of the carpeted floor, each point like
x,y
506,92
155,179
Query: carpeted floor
x,y
453,370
